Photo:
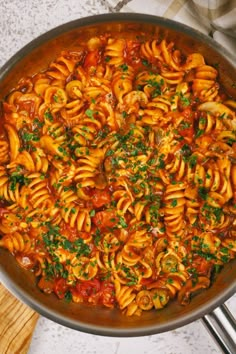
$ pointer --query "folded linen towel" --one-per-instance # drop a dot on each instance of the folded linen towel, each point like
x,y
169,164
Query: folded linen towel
x,y
219,14
220,17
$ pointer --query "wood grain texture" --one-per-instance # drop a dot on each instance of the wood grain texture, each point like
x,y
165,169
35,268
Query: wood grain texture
x,y
17,323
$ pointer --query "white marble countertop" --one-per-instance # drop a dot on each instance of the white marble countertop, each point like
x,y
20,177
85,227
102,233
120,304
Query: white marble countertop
x,y
20,22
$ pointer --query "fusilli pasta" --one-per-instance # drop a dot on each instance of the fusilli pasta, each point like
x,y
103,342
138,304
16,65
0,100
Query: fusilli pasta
x,y
118,174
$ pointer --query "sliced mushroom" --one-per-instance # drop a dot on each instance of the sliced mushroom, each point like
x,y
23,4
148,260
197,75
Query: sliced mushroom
x,y
191,287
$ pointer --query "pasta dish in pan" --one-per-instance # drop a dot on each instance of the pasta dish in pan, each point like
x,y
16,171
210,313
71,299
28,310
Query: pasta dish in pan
x,y
118,174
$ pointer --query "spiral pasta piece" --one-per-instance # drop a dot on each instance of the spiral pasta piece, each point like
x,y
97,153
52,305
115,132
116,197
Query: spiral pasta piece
x,y
17,242
122,81
4,156
63,66
173,211
114,50
204,83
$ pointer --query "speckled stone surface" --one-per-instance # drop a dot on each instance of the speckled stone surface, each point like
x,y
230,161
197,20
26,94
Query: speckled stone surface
x,y
20,22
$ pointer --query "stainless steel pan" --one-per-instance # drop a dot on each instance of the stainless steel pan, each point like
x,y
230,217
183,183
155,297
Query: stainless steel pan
x,y
34,57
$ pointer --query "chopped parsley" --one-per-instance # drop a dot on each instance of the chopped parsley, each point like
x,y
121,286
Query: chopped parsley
x,y
186,150
185,100
174,202
89,113
48,115
199,133
212,213
184,125
203,193
145,62
92,212
157,87
122,222
17,178
68,296
192,161
124,67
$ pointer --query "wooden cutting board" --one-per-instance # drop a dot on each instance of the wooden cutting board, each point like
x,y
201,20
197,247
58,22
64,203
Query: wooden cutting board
x,y
17,323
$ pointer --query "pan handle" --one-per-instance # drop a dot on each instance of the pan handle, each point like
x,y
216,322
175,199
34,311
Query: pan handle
x,y
222,326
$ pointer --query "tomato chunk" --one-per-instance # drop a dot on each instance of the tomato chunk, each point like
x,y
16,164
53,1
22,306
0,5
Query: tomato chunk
x,y
88,288
107,297
92,59
100,197
69,232
105,218
202,266
60,288
46,285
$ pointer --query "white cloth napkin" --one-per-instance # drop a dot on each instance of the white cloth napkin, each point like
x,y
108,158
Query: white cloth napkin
x,y
220,17
216,18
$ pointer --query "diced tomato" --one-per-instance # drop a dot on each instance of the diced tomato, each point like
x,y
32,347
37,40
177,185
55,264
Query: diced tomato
x,y
69,232
187,133
132,54
84,235
202,266
107,297
132,45
146,282
204,141
188,118
46,285
92,59
100,197
189,114
88,288
105,218
60,287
